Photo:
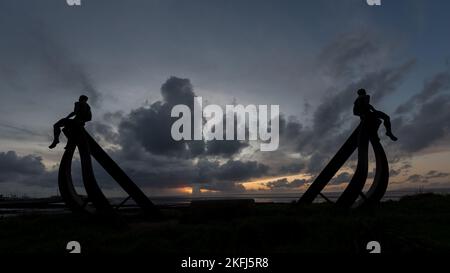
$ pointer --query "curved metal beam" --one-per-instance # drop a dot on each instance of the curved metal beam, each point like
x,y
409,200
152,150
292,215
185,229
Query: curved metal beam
x,y
121,177
381,178
93,190
73,200
356,184
331,169
87,146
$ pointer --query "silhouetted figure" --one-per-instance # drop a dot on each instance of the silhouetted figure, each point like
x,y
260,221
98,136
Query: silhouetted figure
x,y
364,109
81,114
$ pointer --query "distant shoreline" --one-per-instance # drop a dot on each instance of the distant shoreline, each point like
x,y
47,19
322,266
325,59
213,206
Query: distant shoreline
x,y
55,204
273,197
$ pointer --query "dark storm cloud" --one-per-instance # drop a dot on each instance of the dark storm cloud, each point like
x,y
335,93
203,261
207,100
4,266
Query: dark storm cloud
x,y
283,183
58,62
171,166
350,57
224,186
331,125
156,171
33,59
416,178
104,131
347,54
350,62
178,91
334,111
151,126
232,170
28,170
436,174
25,170
426,178
425,116
10,131
12,165
213,175
394,171
225,148
353,53
292,168
437,84
343,177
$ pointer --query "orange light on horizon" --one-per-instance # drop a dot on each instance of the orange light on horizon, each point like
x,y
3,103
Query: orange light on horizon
x,y
185,190
260,184
208,191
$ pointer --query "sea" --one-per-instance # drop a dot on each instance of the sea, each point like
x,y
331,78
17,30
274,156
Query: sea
x,y
280,197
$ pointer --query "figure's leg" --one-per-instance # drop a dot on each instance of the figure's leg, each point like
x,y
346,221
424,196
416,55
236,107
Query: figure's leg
x,y
387,124
56,132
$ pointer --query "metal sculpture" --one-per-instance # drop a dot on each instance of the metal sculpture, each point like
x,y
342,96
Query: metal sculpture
x,y
365,133
78,137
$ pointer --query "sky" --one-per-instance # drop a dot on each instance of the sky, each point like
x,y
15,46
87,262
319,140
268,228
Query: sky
x,y
136,59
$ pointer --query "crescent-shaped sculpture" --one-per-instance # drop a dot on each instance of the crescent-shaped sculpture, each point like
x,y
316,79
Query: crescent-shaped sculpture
x,y
359,140
79,138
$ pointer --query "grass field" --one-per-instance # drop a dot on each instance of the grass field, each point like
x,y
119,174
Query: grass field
x,y
418,223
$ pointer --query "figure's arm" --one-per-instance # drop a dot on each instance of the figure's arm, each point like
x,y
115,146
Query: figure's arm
x,y
371,108
71,115
75,111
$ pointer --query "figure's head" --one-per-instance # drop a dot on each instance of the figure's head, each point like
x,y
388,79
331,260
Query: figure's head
x,y
83,98
362,92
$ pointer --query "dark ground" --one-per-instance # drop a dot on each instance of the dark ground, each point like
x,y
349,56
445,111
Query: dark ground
x,y
414,224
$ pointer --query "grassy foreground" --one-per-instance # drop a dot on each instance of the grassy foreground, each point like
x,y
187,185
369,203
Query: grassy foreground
x,y
414,224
